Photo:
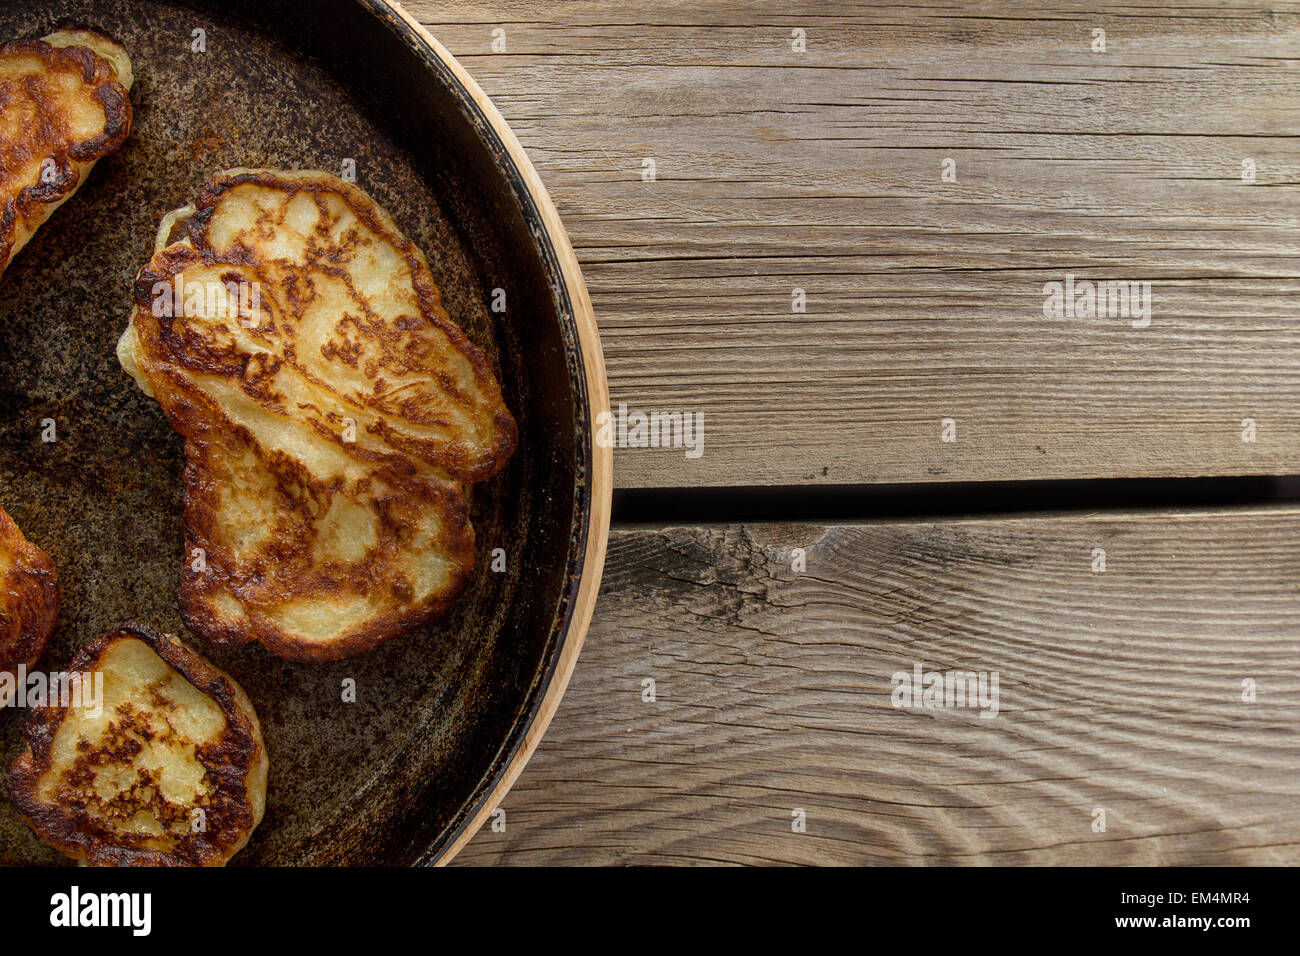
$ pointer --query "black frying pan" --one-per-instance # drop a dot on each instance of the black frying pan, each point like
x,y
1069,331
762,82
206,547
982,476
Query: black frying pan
x,y
442,715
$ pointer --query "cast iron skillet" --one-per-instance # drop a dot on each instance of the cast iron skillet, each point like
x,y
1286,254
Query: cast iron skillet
x,y
445,717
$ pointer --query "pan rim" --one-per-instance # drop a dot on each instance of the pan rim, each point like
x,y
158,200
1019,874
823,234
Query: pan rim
x,y
593,498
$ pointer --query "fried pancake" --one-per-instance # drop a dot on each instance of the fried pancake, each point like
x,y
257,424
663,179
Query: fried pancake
x,y
29,602
64,105
171,772
334,416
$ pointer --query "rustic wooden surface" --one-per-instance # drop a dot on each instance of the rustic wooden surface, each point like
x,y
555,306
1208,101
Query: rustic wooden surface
x,y
1119,690
821,170
778,169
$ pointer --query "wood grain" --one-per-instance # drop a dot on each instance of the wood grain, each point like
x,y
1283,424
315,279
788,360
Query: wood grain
x,y
821,170
1119,690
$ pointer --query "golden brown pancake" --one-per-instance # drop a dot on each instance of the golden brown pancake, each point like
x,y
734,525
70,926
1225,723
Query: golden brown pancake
x,y
64,105
170,772
334,416
29,602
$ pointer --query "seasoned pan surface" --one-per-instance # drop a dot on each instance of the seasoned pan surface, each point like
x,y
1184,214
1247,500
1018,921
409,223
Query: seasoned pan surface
x,y
396,776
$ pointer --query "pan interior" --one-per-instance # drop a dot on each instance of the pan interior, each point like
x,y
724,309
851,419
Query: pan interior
x,y
330,85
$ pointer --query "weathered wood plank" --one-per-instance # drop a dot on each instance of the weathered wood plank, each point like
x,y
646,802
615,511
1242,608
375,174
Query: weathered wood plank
x,y
1120,690
821,170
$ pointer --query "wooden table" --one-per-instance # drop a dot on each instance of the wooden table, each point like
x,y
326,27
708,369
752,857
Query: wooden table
x,y
1157,683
